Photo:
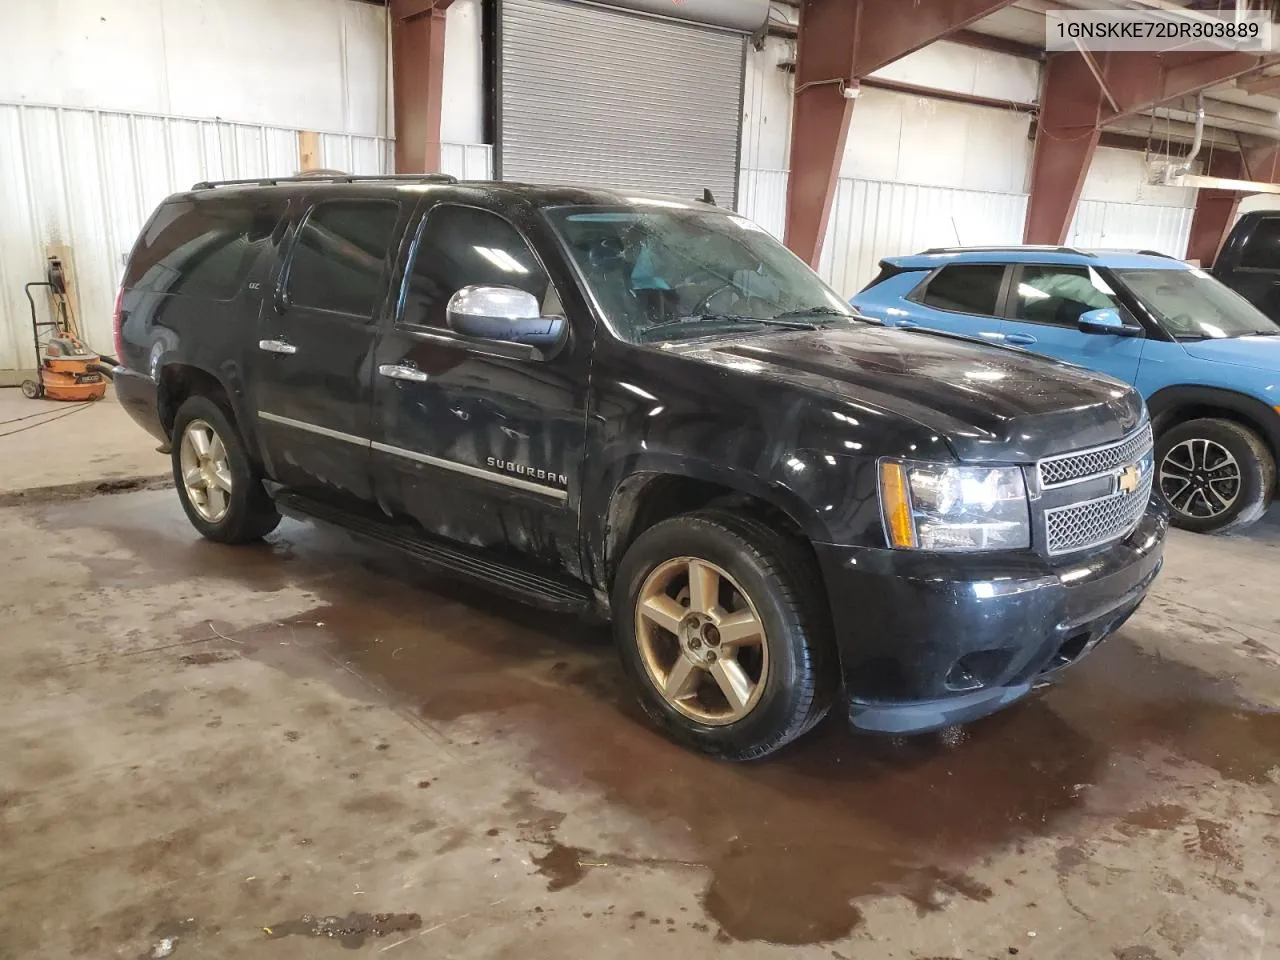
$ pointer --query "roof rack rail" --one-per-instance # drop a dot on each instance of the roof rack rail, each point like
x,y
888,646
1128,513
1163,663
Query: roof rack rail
x,y
1011,248
1158,253
329,178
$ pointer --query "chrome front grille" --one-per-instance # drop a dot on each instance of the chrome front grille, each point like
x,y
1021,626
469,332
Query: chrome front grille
x,y
1109,512
1095,522
1070,467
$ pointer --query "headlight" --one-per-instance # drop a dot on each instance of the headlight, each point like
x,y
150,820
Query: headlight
x,y
938,506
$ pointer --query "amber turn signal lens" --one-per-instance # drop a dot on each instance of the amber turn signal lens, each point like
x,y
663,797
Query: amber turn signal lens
x,y
897,504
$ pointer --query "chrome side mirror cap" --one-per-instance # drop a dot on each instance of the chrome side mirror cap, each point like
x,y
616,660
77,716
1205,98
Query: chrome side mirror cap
x,y
507,314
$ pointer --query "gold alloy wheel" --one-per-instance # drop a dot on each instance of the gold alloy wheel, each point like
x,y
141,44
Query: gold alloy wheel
x,y
206,472
702,641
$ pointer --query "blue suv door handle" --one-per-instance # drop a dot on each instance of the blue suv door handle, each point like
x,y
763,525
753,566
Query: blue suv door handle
x,y
1021,339
904,324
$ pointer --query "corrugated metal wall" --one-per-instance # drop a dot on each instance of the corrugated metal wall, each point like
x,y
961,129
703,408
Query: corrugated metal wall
x,y
1132,226
90,178
871,219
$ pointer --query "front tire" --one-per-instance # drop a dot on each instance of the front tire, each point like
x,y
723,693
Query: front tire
x,y
217,483
1215,475
724,634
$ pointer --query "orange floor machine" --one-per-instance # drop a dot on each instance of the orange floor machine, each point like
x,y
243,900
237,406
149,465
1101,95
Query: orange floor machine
x,y
66,368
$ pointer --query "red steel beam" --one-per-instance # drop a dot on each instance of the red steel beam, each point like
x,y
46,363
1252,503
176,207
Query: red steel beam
x,y
1264,85
840,42
1077,98
417,64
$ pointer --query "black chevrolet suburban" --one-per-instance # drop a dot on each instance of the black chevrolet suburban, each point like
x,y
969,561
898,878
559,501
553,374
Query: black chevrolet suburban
x,y
649,409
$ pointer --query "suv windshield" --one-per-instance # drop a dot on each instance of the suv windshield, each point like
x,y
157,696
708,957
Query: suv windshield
x,y
670,270
1191,305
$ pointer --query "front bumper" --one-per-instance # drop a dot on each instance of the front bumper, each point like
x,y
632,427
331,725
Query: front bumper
x,y
931,640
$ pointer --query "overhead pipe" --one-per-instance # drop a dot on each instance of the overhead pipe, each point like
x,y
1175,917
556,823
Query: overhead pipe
x,y
1185,166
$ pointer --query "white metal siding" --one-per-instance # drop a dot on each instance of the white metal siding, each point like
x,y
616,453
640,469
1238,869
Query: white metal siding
x,y
605,98
1132,226
90,179
467,161
871,219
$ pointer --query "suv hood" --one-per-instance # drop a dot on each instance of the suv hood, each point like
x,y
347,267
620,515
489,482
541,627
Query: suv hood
x,y
991,404
1262,353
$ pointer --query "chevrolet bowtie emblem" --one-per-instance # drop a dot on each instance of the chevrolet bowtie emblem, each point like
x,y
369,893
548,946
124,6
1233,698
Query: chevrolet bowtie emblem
x,y
1129,478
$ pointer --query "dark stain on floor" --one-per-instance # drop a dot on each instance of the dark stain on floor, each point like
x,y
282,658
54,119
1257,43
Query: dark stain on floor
x,y
789,845
205,658
1156,816
351,931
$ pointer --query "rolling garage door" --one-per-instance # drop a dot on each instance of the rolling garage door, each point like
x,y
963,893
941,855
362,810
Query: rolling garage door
x,y
609,98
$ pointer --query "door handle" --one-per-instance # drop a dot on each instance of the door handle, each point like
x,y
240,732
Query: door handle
x,y
904,324
1021,339
277,346
399,371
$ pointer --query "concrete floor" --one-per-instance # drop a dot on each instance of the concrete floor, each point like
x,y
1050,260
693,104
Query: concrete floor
x,y
209,750
46,443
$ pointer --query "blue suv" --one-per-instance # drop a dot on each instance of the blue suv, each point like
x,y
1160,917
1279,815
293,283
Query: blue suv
x,y
1206,360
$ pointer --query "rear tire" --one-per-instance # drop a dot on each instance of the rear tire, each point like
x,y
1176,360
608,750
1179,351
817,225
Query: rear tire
x,y
1215,475
778,686
32,389
243,513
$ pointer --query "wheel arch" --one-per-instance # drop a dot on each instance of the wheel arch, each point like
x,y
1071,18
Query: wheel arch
x,y
1176,405
645,497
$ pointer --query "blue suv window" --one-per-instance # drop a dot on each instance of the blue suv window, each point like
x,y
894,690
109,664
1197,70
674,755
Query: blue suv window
x,y
965,288
1058,295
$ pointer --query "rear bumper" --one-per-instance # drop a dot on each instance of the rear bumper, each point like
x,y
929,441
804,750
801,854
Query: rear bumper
x,y
927,641
138,395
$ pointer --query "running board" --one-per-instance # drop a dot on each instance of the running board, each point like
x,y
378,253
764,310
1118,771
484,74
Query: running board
x,y
551,594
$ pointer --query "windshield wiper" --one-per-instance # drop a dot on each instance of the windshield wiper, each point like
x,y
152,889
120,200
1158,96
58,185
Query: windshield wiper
x,y
816,312
736,318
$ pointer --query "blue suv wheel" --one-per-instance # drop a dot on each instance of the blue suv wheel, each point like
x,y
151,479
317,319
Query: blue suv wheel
x,y
1216,475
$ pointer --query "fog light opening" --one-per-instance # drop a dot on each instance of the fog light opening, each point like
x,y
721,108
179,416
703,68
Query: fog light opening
x,y
976,670
1070,650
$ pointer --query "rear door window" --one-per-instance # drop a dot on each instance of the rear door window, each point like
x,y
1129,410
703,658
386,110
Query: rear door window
x,y
203,247
965,288
1262,248
341,255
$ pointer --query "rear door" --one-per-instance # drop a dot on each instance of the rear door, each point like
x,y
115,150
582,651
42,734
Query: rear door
x,y
475,439
960,298
315,345
1046,302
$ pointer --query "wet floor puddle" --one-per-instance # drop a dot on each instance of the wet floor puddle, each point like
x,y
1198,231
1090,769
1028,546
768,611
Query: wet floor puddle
x,y
789,845
351,931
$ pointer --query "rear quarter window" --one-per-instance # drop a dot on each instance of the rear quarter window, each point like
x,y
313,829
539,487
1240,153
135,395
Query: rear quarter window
x,y
1261,249
201,248
964,288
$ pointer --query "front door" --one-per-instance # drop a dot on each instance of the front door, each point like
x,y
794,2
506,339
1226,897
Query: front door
x,y
476,440
315,347
1046,302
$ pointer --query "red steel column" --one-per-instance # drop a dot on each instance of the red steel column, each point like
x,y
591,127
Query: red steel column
x,y
417,58
839,42
820,120
1215,209
1067,135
